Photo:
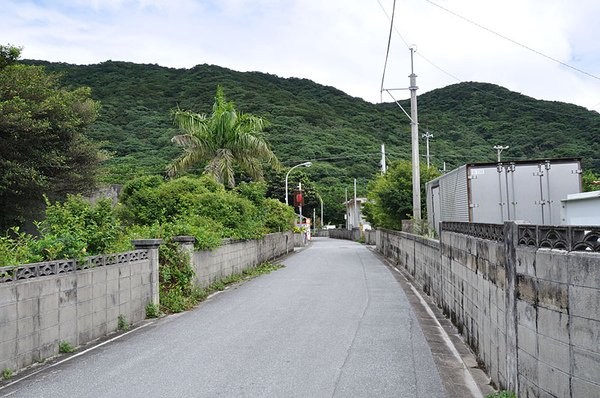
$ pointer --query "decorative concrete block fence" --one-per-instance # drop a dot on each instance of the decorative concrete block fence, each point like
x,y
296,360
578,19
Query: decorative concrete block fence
x,y
526,298
43,304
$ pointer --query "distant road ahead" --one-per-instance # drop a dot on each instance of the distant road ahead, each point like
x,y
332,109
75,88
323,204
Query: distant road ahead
x,y
334,322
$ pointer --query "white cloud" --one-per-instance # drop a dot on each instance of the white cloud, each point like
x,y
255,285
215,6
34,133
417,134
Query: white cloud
x,y
336,42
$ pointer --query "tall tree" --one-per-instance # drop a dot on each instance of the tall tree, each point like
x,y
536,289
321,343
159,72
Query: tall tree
x,y
391,195
42,146
225,139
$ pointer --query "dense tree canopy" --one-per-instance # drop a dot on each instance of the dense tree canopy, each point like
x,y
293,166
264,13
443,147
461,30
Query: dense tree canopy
x,y
42,146
340,134
391,195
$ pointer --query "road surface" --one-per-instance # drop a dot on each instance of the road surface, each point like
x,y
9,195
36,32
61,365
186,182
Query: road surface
x,y
333,323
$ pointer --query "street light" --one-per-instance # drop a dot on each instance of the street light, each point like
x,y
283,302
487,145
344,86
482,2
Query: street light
x,y
305,164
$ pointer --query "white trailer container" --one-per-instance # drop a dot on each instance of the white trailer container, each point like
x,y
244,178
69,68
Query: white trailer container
x,y
581,209
529,191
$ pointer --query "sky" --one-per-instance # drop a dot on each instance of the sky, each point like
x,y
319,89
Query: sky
x,y
339,43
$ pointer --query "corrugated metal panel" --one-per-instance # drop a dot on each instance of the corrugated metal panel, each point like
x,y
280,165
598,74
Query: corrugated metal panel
x,y
454,198
524,190
488,196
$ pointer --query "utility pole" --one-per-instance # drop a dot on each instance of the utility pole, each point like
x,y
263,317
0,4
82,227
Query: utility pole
x,y
314,221
500,148
427,136
356,218
383,165
300,205
414,127
444,167
346,204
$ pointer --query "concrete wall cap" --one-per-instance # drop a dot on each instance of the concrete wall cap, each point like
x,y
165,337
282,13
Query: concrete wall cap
x,y
184,239
146,243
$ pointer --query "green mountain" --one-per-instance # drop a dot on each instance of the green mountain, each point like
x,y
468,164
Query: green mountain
x,y
339,133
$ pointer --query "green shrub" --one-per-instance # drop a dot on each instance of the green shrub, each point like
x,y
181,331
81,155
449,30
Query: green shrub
x,y
152,311
71,229
278,216
238,215
7,373
122,323
16,248
64,347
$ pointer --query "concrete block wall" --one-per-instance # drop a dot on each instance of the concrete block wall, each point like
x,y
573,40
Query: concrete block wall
x,y
473,297
459,273
538,335
348,234
233,257
558,323
77,306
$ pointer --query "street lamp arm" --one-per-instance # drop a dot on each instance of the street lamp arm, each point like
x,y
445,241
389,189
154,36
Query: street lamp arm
x,y
305,164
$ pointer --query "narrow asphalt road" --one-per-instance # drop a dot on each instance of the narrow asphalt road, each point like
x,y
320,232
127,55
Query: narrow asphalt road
x,y
333,323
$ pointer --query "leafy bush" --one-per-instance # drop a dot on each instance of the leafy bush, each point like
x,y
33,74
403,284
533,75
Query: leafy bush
x,y
278,217
16,247
72,229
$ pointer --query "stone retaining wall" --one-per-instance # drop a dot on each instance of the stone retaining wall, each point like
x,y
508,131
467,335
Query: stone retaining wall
x,y
530,313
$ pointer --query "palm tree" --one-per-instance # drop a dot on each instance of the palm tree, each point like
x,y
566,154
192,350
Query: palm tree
x,y
223,139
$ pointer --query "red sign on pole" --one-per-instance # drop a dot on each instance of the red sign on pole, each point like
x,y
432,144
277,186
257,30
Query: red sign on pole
x,y
298,198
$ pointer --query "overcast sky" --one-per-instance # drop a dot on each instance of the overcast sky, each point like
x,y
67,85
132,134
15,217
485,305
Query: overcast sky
x,y
340,43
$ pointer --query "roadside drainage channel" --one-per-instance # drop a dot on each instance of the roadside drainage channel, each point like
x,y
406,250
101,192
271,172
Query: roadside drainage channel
x,y
456,363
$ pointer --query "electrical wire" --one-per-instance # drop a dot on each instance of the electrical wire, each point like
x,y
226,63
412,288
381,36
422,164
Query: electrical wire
x,y
387,52
459,80
512,40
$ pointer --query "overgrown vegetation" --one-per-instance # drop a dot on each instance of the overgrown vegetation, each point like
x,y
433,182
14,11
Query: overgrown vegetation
x,y
151,207
64,347
152,311
502,394
122,323
7,373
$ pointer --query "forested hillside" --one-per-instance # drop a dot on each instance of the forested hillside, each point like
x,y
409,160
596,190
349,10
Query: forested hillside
x,y
340,134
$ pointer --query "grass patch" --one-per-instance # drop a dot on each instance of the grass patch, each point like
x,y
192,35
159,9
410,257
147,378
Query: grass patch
x,y
122,323
7,373
152,311
502,394
174,300
261,269
64,347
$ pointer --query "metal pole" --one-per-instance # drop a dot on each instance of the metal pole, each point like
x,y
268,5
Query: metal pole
x,y
427,136
356,218
383,165
346,204
321,200
305,164
499,149
300,205
414,127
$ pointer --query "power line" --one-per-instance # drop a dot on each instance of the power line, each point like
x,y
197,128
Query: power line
x,y
387,53
512,40
459,80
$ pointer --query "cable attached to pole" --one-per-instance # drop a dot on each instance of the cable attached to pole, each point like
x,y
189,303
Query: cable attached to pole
x,y
387,53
